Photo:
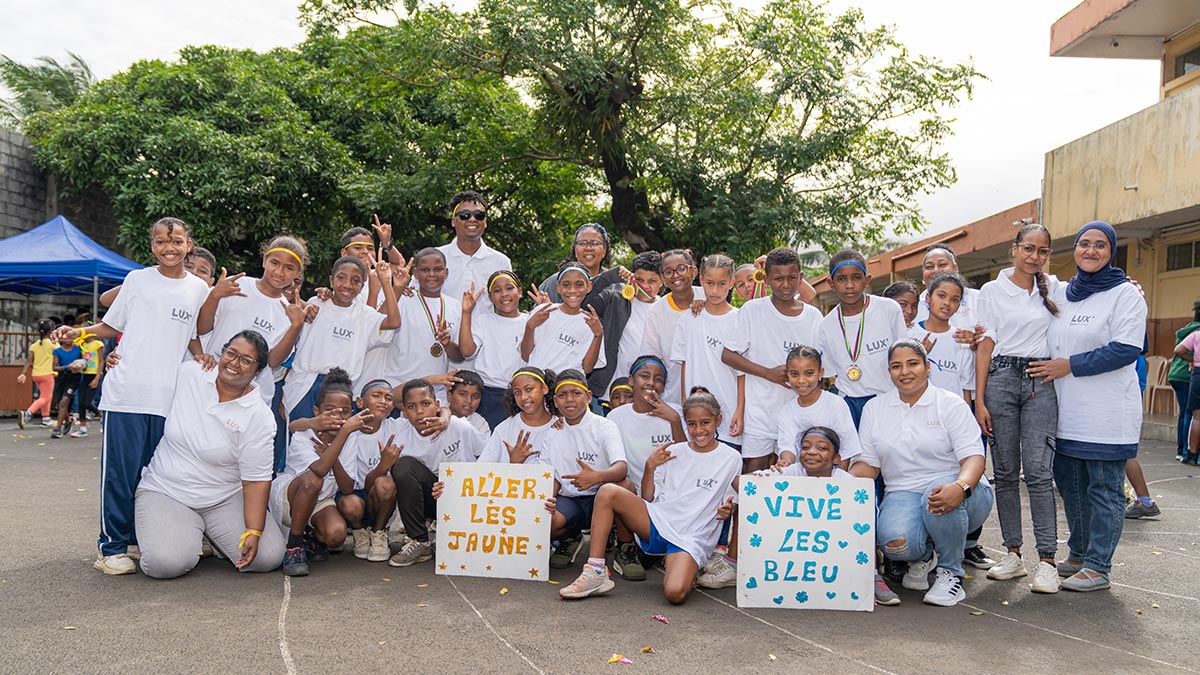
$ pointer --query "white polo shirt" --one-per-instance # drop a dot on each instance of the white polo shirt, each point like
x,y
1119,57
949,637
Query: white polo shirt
x,y
765,336
208,447
157,318
595,441
830,411
885,325
460,442
1015,319
1104,408
464,269
913,445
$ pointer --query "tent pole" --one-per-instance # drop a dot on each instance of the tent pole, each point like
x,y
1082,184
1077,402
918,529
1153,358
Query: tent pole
x,y
95,298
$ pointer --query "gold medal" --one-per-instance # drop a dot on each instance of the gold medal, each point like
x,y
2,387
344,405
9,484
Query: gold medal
x,y
854,372
436,350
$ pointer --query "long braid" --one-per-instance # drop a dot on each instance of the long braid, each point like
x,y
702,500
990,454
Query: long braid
x,y
1039,278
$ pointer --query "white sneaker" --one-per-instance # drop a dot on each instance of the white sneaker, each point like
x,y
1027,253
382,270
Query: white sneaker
x,y
115,564
720,574
377,550
133,552
362,543
947,589
1010,567
917,577
1045,578
712,561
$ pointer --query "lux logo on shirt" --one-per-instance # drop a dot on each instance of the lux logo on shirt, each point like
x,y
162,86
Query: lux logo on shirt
x,y
706,483
343,333
262,323
659,439
878,345
233,426
951,366
451,449
180,314
713,342
589,457
1080,319
568,340
788,345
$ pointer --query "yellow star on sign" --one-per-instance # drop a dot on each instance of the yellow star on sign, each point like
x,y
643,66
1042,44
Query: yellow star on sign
x,y
542,496
546,475
489,568
539,547
442,567
490,474
449,472
446,517
533,572
504,530
462,567
537,519
491,501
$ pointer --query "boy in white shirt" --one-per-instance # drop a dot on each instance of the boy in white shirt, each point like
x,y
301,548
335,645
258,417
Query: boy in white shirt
x,y
464,398
562,336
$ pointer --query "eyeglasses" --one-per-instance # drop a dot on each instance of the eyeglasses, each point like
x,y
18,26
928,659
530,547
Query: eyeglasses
x,y
1030,249
467,215
243,361
1098,246
676,271
590,243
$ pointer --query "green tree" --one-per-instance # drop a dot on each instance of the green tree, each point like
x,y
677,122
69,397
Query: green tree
x,y
709,126
42,86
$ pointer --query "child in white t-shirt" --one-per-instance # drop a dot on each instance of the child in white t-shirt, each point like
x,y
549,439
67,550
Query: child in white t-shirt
x,y
463,398
493,339
367,495
518,439
683,487
648,421
565,336
813,407
678,271
951,364
699,342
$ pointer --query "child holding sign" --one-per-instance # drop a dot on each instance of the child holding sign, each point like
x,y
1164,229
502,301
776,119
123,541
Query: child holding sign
x,y
683,486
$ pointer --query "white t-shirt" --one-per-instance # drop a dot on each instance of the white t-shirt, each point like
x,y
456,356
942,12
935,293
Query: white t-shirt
x,y
460,442
507,431
699,341
951,365
480,424
301,454
659,337
687,492
338,337
157,316
912,446
1015,319
497,346
595,441
1104,408
464,269
408,347
562,342
829,411
256,312
966,316
208,448
885,325
630,346
641,433
361,453
765,336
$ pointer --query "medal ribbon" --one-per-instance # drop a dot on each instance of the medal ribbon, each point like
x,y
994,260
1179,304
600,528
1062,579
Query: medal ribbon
x,y
858,339
441,313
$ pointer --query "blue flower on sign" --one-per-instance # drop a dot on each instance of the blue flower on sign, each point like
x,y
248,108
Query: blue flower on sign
x,y
861,558
860,496
756,540
751,489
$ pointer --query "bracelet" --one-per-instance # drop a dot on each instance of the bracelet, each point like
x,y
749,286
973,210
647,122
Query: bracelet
x,y
247,533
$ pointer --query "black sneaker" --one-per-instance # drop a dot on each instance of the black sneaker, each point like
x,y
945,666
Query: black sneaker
x,y
1191,459
294,564
627,563
975,557
314,550
612,540
565,553
894,570
66,429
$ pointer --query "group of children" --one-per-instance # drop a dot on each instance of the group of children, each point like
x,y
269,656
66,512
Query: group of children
x,y
378,378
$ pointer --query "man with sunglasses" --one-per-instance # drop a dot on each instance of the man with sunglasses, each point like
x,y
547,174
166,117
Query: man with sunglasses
x,y
468,259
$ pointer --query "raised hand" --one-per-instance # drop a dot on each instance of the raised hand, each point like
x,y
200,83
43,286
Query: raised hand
x,y
585,478
659,457
442,334
295,310
207,361
227,286
540,315
382,269
928,343
383,231
538,296
389,452
660,408
592,319
445,379
726,509
517,454
471,298
362,420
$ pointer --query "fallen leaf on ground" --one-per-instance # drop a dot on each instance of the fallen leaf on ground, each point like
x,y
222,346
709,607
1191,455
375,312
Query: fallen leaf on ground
x,y
1004,602
555,582
503,591
647,650
422,605
386,579
422,585
81,489
68,627
1155,552
771,656
1139,611
1154,606
383,642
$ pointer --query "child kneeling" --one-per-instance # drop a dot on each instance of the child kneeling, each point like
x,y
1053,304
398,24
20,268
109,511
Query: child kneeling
x,y
683,487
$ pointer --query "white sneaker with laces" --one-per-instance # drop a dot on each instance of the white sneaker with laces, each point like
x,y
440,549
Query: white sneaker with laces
x,y
377,550
590,582
115,564
720,574
713,557
413,552
1010,567
917,577
362,543
947,589
1045,578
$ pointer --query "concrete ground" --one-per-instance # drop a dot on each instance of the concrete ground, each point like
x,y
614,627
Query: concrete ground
x,y
61,616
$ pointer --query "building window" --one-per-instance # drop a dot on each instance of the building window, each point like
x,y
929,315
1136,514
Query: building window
x,y
1182,256
1187,62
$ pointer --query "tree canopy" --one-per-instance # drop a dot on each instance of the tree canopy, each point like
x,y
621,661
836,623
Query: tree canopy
x,y
41,86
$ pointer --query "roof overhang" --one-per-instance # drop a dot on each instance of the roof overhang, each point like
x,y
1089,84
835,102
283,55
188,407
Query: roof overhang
x,y
1121,29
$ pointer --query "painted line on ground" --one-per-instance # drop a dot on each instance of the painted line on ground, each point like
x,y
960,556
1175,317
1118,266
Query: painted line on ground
x,y
487,623
1168,480
284,651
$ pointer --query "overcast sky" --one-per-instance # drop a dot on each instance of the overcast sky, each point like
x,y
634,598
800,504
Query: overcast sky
x,y
1030,104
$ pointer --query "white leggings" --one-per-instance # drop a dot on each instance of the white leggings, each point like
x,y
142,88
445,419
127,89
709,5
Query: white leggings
x,y
170,535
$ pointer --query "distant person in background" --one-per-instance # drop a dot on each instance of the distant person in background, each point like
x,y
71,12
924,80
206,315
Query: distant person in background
x,y
68,371
1180,377
41,360
93,354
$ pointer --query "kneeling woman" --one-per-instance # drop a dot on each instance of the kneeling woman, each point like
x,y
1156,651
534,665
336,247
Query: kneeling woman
x,y
683,486
211,472
925,442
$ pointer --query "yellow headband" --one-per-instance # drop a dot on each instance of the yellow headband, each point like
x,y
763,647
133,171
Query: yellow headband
x,y
508,274
534,375
287,251
621,386
577,383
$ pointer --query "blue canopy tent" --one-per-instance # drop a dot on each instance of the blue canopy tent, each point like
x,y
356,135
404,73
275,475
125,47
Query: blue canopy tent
x,y
56,258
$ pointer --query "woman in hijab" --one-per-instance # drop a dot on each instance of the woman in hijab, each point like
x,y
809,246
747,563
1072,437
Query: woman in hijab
x,y
1094,343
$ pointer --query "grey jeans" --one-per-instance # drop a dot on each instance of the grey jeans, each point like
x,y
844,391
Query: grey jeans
x,y
170,535
1024,423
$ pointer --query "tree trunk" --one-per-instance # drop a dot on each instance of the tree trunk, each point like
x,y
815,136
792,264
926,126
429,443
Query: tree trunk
x,y
630,206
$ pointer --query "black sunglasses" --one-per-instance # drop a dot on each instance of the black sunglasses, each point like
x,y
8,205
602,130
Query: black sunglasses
x,y
466,215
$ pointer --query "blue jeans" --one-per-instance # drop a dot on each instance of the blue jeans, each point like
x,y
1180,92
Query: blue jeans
x,y
905,517
1185,417
1093,498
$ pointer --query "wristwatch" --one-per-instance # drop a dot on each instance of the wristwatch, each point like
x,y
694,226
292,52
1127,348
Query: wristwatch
x,y
966,487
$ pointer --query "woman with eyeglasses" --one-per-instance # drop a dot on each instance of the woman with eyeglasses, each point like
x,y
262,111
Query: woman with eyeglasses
x,y
590,248
1094,343
1019,413
211,473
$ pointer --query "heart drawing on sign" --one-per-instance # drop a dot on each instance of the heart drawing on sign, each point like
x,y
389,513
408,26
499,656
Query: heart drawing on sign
x,y
832,489
752,518
862,528
831,594
843,544
781,486
777,599
752,583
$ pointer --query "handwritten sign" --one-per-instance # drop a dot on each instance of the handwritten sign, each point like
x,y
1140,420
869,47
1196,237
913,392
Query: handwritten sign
x,y
806,543
492,521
